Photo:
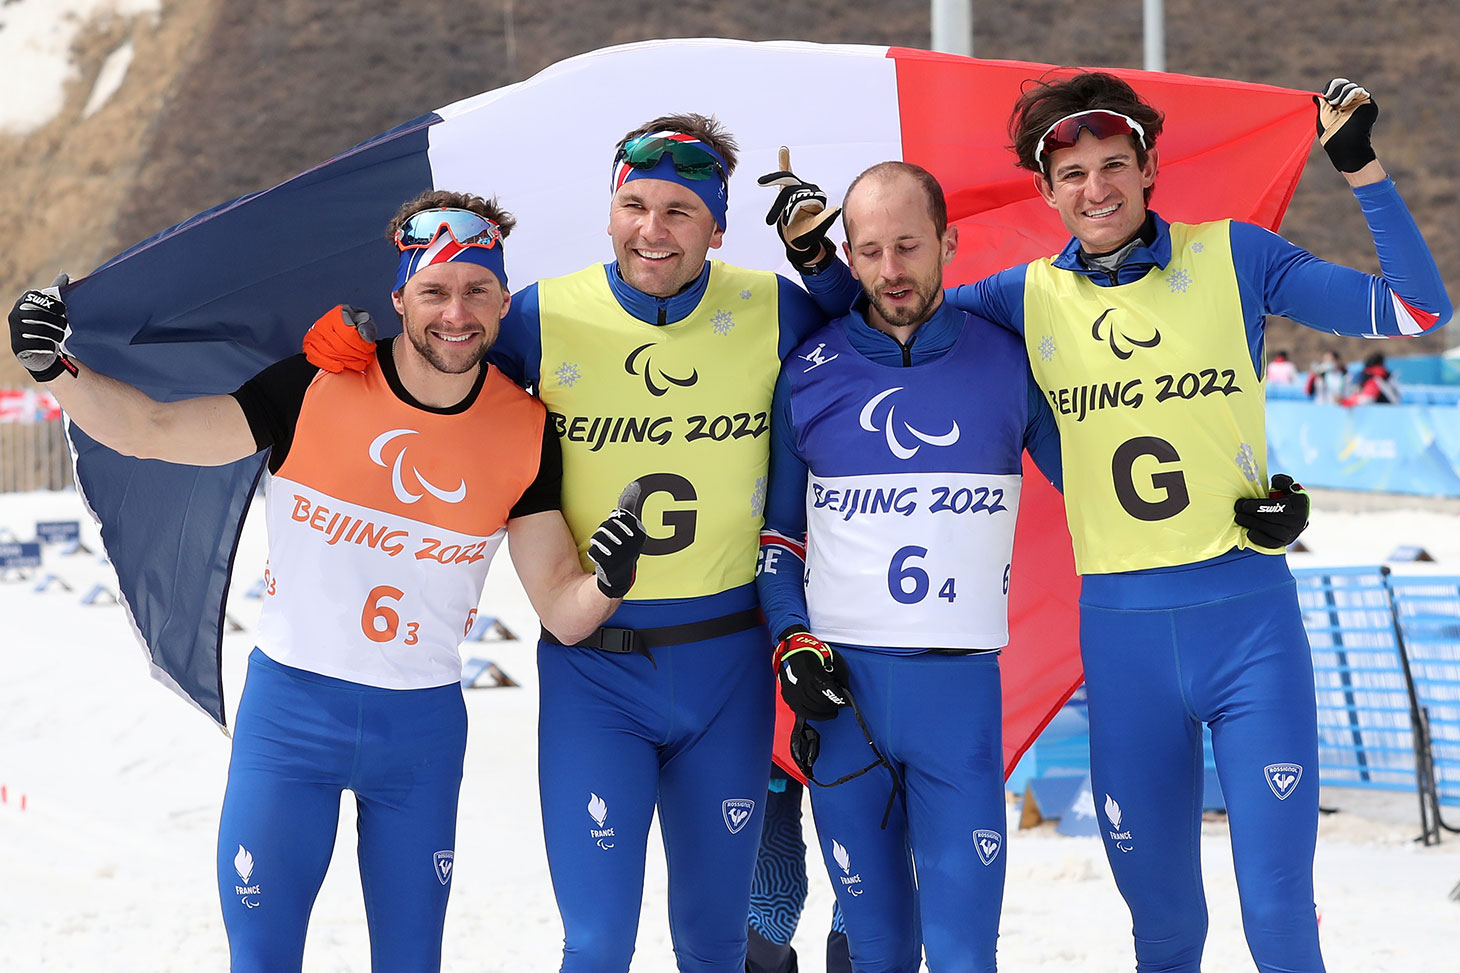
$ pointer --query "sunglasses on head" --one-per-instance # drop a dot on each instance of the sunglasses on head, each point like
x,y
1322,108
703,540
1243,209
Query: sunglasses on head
x,y
692,159
466,228
1099,122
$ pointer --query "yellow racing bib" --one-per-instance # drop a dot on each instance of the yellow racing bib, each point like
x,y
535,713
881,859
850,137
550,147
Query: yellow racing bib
x,y
682,408
1160,411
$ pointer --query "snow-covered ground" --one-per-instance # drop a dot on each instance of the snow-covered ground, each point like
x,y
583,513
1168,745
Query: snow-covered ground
x,y
109,865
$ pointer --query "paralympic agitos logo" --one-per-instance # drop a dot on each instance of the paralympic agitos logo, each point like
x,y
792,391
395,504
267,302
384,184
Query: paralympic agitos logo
x,y
631,365
1114,338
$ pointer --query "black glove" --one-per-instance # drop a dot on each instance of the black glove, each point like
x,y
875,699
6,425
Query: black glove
x,y
805,746
812,682
1346,115
615,546
1277,520
38,326
802,218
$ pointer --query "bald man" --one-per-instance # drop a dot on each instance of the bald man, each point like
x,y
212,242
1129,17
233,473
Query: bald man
x,y
887,580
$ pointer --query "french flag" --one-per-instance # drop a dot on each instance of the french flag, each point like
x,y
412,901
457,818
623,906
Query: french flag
x,y
200,308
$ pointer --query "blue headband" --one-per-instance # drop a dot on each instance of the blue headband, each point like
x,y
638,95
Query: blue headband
x,y
712,192
444,249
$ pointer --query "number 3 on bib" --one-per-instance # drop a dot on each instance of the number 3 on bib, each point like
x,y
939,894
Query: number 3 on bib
x,y
900,574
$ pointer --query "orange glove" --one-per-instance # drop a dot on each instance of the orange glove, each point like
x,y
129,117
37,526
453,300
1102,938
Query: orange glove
x,y
343,338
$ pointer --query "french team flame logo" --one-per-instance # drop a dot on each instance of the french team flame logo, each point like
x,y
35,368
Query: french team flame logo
x,y
1112,811
243,864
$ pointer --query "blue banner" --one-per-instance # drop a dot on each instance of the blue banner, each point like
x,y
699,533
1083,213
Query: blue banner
x,y
1381,448
58,531
26,554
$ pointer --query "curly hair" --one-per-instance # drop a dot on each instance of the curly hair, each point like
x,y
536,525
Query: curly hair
x,y
446,199
1045,102
706,128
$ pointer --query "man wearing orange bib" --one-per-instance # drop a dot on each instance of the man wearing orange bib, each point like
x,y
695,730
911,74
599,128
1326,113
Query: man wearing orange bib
x,y
392,488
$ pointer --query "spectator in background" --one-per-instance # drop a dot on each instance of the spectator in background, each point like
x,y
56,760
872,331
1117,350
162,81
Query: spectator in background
x,y
1281,370
1327,380
1377,384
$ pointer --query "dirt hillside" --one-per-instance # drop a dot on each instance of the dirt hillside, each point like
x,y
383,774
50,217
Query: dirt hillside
x,y
223,98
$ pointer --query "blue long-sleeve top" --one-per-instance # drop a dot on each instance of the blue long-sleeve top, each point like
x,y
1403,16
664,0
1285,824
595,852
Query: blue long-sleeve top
x,y
1274,276
782,595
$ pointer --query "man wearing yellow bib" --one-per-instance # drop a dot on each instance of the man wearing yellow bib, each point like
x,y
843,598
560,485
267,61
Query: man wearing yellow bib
x,y
1147,339
659,368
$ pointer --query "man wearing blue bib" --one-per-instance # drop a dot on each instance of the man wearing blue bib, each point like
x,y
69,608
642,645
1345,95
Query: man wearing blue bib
x,y
1147,339
897,440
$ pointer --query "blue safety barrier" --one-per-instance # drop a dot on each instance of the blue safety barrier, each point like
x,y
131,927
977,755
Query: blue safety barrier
x,y
1364,733
1428,611
1386,448
1441,395
1425,370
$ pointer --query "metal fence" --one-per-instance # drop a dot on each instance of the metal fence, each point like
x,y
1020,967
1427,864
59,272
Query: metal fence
x,y
1428,612
1364,733
33,456
1386,669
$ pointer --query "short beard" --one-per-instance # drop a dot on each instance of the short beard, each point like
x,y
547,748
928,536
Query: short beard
x,y
426,350
913,315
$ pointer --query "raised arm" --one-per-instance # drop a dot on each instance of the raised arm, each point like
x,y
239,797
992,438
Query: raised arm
x,y
1409,298
210,430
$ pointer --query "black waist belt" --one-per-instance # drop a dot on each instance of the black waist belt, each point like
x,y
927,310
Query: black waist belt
x,y
626,640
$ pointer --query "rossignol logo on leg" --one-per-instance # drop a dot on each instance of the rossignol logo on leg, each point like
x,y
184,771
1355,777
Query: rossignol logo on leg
x,y
243,865
844,861
598,811
737,811
1114,815
1283,779
443,862
988,844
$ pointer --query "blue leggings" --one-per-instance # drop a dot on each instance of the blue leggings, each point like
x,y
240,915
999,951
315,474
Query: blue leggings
x,y
299,740
936,718
1242,665
690,733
